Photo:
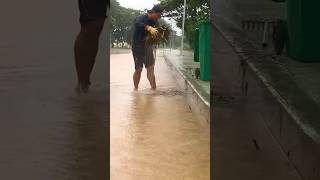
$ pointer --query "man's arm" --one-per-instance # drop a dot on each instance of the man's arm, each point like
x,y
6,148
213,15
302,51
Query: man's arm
x,y
140,24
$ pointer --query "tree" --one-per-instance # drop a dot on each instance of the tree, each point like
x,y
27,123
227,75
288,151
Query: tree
x,y
121,24
196,11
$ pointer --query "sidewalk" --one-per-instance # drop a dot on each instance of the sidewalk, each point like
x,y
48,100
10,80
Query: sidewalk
x,y
183,69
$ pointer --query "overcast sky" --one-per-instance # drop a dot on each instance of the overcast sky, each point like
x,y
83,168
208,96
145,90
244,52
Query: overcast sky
x,y
138,4
144,4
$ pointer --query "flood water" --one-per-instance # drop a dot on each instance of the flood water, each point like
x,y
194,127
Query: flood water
x,y
47,131
154,135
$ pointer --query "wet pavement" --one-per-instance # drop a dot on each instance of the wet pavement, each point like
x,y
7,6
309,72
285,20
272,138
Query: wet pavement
x,y
241,137
154,134
47,131
197,91
186,66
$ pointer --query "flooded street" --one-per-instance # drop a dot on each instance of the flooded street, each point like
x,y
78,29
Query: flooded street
x,y
47,131
154,135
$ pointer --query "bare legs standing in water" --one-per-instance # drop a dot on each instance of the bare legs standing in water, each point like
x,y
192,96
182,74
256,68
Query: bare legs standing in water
x,y
85,51
92,18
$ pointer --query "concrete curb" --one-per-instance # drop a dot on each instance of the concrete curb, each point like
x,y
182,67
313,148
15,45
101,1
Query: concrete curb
x,y
292,116
197,102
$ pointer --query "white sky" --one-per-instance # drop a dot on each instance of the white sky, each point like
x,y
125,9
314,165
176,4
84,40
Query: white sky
x,y
145,4
138,4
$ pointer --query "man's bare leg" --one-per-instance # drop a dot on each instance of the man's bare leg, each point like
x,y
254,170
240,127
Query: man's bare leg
x,y
136,78
151,77
86,49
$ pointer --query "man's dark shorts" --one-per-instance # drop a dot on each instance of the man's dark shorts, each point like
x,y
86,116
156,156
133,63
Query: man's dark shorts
x,y
143,55
91,9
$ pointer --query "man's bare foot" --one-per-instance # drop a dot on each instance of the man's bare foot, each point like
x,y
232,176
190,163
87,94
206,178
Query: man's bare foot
x,y
82,88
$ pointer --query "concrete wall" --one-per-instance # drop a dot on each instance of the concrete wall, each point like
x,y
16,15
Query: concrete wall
x,y
245,110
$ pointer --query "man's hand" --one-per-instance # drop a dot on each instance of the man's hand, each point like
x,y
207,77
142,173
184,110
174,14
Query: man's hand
x,y
153,31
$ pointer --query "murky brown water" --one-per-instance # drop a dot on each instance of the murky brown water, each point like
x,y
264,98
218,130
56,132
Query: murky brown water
x,y
153,133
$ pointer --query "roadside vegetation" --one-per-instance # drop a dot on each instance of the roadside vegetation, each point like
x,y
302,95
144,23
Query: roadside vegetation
x,y
122,19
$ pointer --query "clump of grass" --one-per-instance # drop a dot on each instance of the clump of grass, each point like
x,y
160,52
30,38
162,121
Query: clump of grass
x,y
163,35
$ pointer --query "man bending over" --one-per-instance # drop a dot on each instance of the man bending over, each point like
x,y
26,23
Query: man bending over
x,y
142,52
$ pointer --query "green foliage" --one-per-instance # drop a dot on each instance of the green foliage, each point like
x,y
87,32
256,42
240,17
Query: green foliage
x,y
122,21
121,24
196,11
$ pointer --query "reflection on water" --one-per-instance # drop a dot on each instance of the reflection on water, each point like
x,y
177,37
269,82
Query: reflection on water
x,y
153,133
45,135
88,148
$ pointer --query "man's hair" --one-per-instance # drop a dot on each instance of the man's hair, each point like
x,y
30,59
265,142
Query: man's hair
x,y
157,9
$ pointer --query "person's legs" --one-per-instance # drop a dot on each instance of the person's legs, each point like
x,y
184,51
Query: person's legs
x,y
86,48
151,77
149,64
138,57
136,78
80,60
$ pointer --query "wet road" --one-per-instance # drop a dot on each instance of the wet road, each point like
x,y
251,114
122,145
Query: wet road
x,y
47,131
153,134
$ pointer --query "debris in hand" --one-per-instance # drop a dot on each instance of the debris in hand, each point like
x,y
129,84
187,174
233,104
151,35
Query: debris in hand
x,y
162,36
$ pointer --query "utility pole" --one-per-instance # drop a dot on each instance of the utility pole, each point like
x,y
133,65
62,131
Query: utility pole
x,y
183,23
171,35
